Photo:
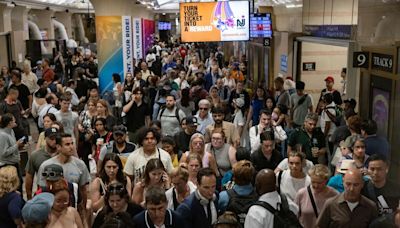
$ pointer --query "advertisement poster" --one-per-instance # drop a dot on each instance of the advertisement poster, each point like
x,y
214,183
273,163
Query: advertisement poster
x,y
214,21
127,44
148,27
380,110
109,49
137,39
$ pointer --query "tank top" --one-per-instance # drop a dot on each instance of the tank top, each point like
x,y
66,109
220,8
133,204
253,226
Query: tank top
x,y
222,157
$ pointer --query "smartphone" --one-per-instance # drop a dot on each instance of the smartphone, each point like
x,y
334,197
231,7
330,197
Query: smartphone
x,y
24,139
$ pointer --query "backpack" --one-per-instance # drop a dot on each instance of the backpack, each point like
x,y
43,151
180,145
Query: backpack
x,y
338,115
240,204
283,216
162,110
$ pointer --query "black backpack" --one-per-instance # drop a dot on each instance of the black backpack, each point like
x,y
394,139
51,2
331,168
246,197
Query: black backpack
x,y
283,216
240,204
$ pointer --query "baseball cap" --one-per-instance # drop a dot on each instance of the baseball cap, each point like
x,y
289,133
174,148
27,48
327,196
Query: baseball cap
x,y
191,120
49,132
37,209
239,102
119,129
330,78
351,101
300,85
53,172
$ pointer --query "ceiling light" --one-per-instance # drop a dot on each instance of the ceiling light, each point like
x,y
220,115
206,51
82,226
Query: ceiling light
x,y
294,5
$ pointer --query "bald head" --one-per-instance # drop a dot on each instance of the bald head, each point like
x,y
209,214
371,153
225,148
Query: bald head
x,y
353,183
265,181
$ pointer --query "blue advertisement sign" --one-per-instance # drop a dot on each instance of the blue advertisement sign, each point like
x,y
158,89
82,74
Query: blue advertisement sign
x,y
284,63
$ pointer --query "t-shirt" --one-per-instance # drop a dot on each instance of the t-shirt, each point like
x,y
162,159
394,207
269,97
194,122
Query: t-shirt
x,y
386,198
137,161
284,165
35,160
23,95
75,171
300,111
290,185
69,120
136,116
170,125
325,118
11,205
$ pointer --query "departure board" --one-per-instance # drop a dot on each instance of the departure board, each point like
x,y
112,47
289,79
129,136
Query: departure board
x,y
260,25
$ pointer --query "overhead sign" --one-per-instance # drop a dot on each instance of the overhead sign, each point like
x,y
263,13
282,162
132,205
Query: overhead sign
x,y
329,31
361,59
260,25
127,50
137,39
309,66
382,62
214,21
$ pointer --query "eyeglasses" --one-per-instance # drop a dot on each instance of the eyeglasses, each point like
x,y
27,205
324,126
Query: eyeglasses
x,y
51,174
115,188
205,109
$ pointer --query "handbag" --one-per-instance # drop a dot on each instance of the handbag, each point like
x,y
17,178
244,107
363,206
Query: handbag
x,y
92,165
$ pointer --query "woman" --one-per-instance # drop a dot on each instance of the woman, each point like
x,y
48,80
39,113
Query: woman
x,y
116,200
196,146
39,101
29,79
185,103
87,117
85,128
11,201
101,137
354,149
103,111
235,73
256,105
5,73
239,121
214,98
48,121
193,67
63,215
181,187
9,147
110,172
169,145
311,199
193,164
128,84
154,175
269,104
228,80
224,153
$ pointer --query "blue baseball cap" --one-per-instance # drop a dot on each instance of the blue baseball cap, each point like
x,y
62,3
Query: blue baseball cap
x,y
37,209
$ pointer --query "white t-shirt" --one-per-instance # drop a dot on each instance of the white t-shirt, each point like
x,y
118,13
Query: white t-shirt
x,y
137,161
69,120
290,185
325,118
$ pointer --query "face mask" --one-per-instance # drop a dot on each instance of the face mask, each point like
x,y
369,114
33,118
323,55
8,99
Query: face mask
x,y
274,116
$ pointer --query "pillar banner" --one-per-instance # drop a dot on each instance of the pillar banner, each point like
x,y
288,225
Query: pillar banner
x,y
137,39
148,27
127,45
109,49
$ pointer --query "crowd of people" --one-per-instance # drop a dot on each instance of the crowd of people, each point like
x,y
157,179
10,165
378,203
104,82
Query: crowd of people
x,y
186,139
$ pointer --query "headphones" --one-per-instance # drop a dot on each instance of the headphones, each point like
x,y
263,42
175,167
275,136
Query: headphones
x,y
203,201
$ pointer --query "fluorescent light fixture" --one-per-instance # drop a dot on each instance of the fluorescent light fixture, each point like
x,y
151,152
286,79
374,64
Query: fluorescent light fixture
x,y
294,5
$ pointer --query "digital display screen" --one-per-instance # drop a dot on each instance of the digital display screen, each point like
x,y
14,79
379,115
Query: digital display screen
x,y
260,25
164,25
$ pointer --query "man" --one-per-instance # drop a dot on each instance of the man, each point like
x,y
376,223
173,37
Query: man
x,y
182,138
24,95
211,78
350,106
169,64
74,169
281,95
170,117
266,157
38,157
231,133
91,68
48,73
71,87
199,209
343,75
137,113
350,208
49,107
156,214
204,117
329,89
223,91
145,71
240,92
308,137
379,189
328,116
258,216
118,146
68,118
136,163
12,105
255,131
301,104
374,144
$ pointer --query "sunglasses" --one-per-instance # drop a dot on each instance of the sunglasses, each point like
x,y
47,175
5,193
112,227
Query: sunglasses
x,y
52,174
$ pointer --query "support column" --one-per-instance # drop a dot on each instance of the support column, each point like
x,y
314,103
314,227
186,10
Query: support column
x,y
19,33
5,17
66,19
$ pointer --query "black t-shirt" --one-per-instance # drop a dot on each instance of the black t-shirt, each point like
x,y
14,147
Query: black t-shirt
x,y
182,141
386,198
261,162
132,210
23,95
136,116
